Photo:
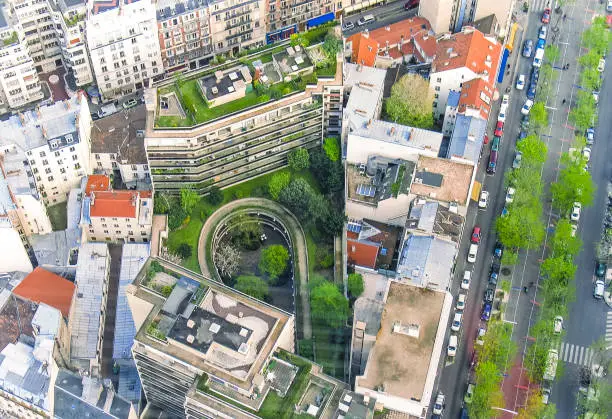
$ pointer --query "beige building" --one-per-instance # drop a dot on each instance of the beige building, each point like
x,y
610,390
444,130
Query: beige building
x,y
237,24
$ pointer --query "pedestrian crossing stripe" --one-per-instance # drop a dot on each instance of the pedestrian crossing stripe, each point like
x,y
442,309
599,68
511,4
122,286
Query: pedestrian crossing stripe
x,y
608,335
575,354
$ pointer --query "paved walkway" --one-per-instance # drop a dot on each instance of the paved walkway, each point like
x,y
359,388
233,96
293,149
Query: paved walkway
x,y
291,223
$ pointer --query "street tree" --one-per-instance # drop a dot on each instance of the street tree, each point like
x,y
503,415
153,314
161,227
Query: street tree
x,y
273,261
534,151
277,183
522,227
331,145
538,116
590,79
536,358
557,295
558,268
487,392
328,304
552,53
355,284
563,243
583,114
189,199
590,59
498,345
597,37
227,259
298,159
411,102
574,184
252,285
535,407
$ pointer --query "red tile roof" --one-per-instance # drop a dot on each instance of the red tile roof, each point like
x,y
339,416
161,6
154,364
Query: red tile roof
x,y
114,204
97,183
364,49
476,94
427,42
42,286
402,30
361,253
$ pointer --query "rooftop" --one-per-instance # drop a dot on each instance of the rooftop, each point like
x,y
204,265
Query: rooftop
x,y
233,82
58,248
467,138
42,286
97,183
121,134
427,261
91,276
167,9
362,253
476,97
398,365
403,135
442,179
100,6
121,204
381,178
432,217
366,87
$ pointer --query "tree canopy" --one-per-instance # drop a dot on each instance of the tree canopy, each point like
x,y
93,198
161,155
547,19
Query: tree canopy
x,y
331,146
277,183
253,286
355,284
328,304
298,159
533,150
411,102
273,260
215,195
189,199
574,184
297,196
539,115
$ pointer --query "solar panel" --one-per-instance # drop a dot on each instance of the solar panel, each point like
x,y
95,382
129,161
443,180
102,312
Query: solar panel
x,y
353,227
366,190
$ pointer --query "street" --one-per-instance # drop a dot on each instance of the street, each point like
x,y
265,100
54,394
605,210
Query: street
x,y
384,14
520,310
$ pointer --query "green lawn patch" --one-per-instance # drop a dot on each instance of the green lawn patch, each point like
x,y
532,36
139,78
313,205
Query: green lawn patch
x,y
58,216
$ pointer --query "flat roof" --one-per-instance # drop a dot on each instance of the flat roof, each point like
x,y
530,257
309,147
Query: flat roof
x,y
467,138
427,261
122,134
400,134
58,248
400,362
442,179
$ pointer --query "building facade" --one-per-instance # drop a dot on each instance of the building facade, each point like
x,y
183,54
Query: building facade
x,y
236,25
286,17
123,43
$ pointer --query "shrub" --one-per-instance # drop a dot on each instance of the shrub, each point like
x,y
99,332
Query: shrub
x,y
215,196
184,251
355,285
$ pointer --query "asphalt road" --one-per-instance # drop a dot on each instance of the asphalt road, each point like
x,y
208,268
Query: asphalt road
x,y
384,14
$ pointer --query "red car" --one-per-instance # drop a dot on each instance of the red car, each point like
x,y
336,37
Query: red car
x,y
476,235
499,129
411,4
486,139
546,16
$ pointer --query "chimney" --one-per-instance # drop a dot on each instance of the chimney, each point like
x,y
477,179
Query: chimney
x,y
369,123
388,28
359,68
366,34
93,198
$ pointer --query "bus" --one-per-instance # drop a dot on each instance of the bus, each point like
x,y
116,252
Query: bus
x,y
510,43
551,365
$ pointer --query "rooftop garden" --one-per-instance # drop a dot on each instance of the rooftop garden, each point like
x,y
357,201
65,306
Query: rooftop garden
x,y
181,103
10,40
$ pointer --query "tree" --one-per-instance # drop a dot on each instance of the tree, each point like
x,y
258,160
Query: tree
x,y
253,286
227,260
551,52
498,345
189,199
539,115
558,268
331,46
487,392
590,59
298,159
184,251
411,102
273,260
331,145
215,196
332,221
161,204
563,242
329,174
535,408
355,285
534,151
328,304
176,215
590,79
522,227
297,196
597,36
324,257
246,231
277,183
299,39
574,184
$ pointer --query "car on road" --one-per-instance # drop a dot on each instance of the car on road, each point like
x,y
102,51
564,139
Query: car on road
x,y
531,92
520,82
438,406
95,116
460,302
489,295
452,346
590,136
543,32
602,65
365,20
456,324
493,277
600,270
486,312
575,214
545,395
503,111
598,289
510,195
527,48
472,252
574,228
475,235
480,336
495,143
518,158
596,96
505,100
609,6
484,200
558,325
465,282
499,128
492,166
539,56
347,26
469,394
527,107
546,16
498,250
541,43
409,5
130,103
586,153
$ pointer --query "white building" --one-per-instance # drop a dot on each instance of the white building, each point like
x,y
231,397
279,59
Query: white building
x,y
55,140
237,24
123,44
19,84
14,255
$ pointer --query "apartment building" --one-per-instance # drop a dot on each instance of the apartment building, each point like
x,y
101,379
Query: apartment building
x,y
12,248
56,142
123,43
286,17
249,140
453,15
114,215
237,24
184,34
19,84
69,18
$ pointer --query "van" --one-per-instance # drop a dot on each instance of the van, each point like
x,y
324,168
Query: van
x,y
471,257
539,56
364,20
492,166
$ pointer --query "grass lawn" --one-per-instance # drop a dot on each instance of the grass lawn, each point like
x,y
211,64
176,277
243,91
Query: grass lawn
x,y
58,216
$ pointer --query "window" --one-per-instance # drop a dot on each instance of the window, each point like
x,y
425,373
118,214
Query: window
x,y
47,171
42,154
75,157
116,225
45,162
97,157
50,178
57,153
105,231
437,88
438,80
143,233
72,148
118,231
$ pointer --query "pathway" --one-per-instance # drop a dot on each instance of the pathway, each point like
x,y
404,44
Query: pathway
x,y
291,223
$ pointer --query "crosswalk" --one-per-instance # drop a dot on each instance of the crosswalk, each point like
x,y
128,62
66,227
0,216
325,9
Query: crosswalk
x,y
582,355
608,335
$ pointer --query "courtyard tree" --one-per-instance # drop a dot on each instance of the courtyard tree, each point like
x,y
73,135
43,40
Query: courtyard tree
x,y
332,221
552,54
277,183
274,260
227,260
329,174
328,304
297,196
184,251
298,159
215,196
176,215
411,102
189,199
253,286
355,285
331,46
246,232
331,145
161,203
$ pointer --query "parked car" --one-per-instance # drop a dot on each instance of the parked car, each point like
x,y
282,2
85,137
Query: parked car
x,y
492,166
501,116
531,92
456,324
438,406
365,20
586,153
499,128
520,82
528,48
348,26
541,43
558,325
469,394
476,235
543,32
510,195
522,135
575,214
465,282
489,295
493,277
527,107
486,312
130,103
598,289
505,100
525,122
590,136
596,96
516,163
495,143
484,200
460,302
546,16
452,346
602,65
480,335
409,5
472,252
498,250
538,57
600,270
609,6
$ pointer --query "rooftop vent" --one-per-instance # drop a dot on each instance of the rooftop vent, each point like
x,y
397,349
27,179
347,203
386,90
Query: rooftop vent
x,y
243,349
244,332
214,90
190,323
411,330
214,328
190,338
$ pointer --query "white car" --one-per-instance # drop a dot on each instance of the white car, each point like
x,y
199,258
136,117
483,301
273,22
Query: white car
x,y
452,345
520,82
484,200
558,325
602,65
596,96
501,116
574,229
460,302
471,257
505,99
527,107
609,6
575,215
510,195
543,32
456,324
438,406
598,290
586,153
465,282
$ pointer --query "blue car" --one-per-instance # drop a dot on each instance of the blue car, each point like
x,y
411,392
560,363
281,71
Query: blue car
x,y
541,43
528,48
486,312
531,92
498,251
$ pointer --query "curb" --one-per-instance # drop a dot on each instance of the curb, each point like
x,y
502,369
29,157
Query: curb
x,y
608,298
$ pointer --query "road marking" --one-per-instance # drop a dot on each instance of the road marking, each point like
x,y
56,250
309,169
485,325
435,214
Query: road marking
x,y
575,354
551,108
564,43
